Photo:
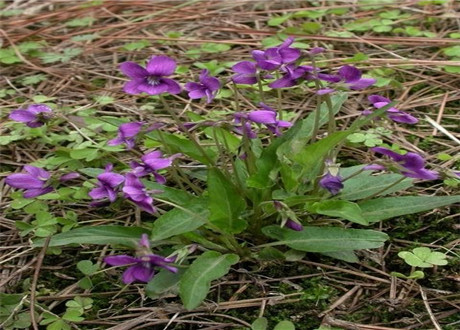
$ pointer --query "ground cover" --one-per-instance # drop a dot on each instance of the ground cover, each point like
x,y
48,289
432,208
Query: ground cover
x,y
67,56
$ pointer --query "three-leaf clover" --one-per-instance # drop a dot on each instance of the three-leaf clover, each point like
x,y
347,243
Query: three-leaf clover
x,y
423,257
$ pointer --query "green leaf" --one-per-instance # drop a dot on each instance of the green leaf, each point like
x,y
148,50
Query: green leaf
x,y
73,315
137,45
8,56
284,325
58,325
275,21
20,203
423,257
260,324
342,209
182,145
163,282
290,143
181,220
196,281
313,155
385,208
225,203
311,27
326,239
348,256
215,47
365,185
117,235
87,267
453,51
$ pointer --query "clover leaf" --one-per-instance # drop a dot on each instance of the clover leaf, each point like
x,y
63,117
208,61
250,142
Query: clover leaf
x,y
423,257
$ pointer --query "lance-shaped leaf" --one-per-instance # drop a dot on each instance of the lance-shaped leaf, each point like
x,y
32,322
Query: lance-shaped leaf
x,y
196,281
385,208
225,203
337,208
326,239
181,220
100,235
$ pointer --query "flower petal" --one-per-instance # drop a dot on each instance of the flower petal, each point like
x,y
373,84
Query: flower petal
x,y
262,116
111,179
161,66
244,79
121,260
160,88
142,274
23,181
350,73
245,67
132,87
30,193
133,70
37,172
377,98
362,83
173,86
38,108
23,116
98,193
130,129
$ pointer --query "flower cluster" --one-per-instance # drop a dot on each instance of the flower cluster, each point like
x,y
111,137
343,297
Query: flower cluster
x,y
109,183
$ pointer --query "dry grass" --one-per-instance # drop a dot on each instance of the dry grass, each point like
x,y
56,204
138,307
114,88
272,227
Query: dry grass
x,y
426,90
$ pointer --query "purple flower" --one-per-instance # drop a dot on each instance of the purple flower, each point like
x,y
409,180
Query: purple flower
x,y
291,76
241,126
151,80
207,87
136,192
69,176
36,115
246,73
293,225
33,183
412,164
142,267
273,58
350,76
333,183
107,186
392,113
126,134
152,162
267,116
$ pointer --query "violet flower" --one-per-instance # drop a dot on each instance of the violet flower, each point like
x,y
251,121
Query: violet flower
x,y
151,80
207,87
126,134
135,191
34,183
293,225
142,267
333,183
153,162
246,73
392,113
349,75
273,58
412,164
242,127
107,185
35,115
292,75
69,176
267,116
